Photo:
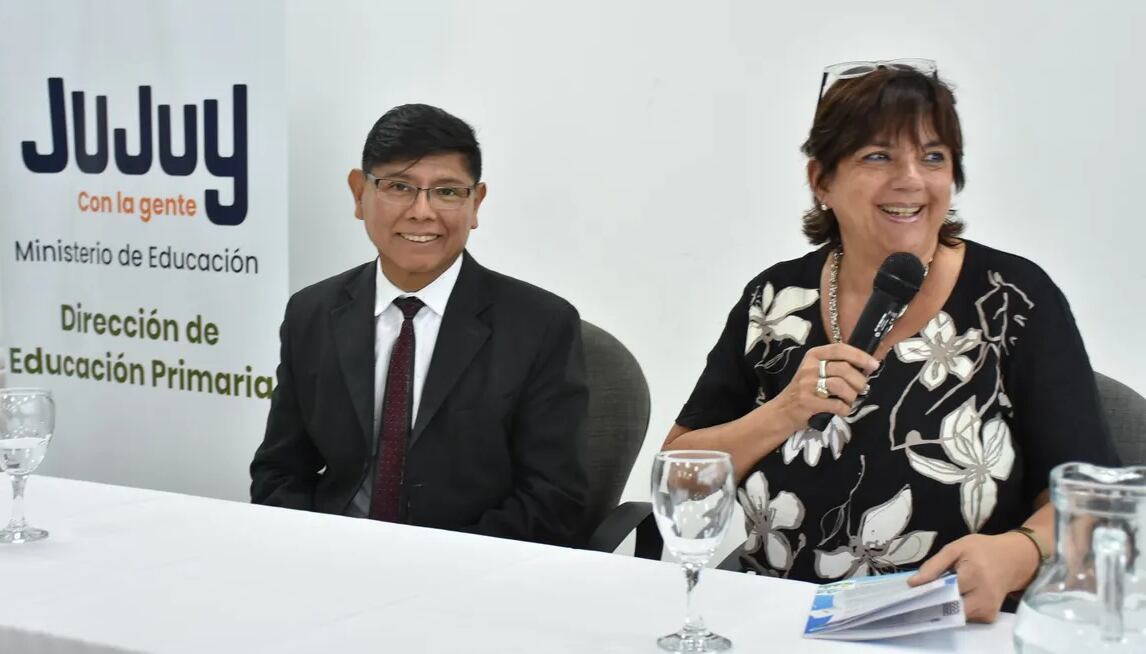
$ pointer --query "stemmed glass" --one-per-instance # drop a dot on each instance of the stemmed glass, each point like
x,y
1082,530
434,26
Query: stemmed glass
x,y
693,496
27,419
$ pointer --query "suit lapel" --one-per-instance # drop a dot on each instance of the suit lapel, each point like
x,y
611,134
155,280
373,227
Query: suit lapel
x,y
353,322
460,337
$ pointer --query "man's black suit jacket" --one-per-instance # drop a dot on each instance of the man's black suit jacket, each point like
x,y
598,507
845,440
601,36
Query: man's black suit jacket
x,y
498,445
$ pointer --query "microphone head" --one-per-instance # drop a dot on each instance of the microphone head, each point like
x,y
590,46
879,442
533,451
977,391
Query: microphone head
x,y
900,276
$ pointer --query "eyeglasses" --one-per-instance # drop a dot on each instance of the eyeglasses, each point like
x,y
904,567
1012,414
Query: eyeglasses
x,y
853,69
404,194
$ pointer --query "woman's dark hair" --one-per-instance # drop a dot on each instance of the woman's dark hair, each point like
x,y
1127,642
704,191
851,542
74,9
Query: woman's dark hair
x,y
856,112
409,132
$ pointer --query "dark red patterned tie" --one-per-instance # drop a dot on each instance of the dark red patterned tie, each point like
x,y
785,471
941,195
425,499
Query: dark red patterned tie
x,y
395,428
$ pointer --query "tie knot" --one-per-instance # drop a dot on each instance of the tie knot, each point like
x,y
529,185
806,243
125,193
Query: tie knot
x,y
409,306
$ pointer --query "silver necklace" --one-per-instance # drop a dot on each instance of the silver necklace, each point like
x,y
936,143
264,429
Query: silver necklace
x,y
834,293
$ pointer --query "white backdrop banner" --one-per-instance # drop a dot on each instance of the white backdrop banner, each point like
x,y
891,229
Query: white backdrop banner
x,y
144,231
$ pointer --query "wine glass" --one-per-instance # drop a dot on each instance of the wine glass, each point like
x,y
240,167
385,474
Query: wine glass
x,y
693,495
27,419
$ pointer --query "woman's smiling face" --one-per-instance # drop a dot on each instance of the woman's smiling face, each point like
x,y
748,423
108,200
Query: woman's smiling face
x,y
892,195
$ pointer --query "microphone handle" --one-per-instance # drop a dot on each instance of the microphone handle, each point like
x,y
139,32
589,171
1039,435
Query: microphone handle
x,y
879,314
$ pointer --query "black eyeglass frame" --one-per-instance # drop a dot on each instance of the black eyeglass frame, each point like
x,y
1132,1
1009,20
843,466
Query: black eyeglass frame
x,y
462,197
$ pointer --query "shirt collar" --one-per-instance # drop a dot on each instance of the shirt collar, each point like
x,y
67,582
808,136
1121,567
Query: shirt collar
x,y
435,295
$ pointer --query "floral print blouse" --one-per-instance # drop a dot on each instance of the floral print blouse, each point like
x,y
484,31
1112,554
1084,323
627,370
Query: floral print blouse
x,y
957,435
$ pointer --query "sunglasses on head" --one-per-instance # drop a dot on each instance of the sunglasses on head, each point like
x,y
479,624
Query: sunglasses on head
x,y
853,69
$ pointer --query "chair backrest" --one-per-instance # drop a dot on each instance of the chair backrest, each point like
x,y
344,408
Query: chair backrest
x,y
1125,412
618,418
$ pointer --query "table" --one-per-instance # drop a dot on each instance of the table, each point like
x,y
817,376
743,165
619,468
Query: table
x,y
132,570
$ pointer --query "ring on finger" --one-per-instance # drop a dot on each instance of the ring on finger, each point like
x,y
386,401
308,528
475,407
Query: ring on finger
x,y
822,388
823,368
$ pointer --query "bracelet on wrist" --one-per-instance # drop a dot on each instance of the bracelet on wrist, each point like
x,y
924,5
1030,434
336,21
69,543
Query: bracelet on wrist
x,y
1044,552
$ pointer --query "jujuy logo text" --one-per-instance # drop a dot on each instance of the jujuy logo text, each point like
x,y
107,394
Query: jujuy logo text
x,y
139,163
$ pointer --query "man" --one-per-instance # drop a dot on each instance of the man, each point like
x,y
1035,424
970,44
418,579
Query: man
x,y
421,387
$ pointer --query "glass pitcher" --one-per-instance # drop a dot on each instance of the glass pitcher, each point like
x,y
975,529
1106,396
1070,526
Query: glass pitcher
x,y
1091,597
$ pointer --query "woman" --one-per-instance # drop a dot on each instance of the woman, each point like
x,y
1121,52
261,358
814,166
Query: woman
x,y
940,445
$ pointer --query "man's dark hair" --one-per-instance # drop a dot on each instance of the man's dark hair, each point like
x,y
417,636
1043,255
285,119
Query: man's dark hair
x,y
410,132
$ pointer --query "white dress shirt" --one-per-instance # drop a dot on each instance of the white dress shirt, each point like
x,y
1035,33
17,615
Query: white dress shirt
x,y
387,324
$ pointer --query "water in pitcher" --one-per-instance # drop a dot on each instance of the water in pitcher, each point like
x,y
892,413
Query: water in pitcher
x,y
1091,597
1063,625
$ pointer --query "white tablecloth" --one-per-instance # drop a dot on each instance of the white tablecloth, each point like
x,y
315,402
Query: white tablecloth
x,y
137,570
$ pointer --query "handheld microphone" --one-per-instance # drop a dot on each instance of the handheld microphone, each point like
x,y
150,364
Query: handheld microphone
x,y
896,283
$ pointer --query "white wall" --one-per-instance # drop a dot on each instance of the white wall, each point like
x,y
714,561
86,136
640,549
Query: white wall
x,y
643,159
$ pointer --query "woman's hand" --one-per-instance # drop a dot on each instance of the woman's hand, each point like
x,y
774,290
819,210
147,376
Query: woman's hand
x,y
988,568
847,369
753,436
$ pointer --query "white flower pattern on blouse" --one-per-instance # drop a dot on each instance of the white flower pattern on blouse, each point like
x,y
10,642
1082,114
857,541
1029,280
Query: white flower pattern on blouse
x,y
765,516
977,446
943,401
980,454
879,545
941,349
770,316
812,442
